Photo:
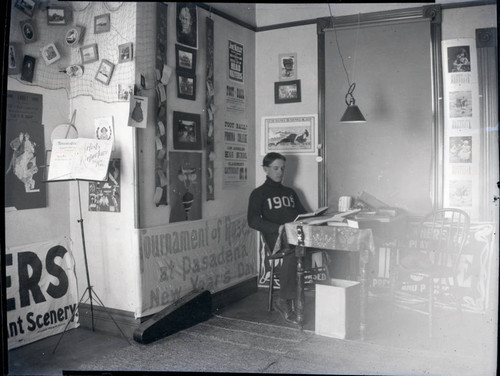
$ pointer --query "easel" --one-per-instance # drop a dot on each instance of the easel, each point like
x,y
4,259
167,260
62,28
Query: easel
x,y
89,289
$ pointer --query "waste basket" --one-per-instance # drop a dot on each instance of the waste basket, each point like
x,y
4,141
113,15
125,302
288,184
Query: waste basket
x,y
338,308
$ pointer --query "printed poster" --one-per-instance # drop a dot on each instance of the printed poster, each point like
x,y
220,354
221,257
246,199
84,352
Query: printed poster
x,y
211,254
235,98
235,61
24,152
461,126
42,293
105,195
235,153
185,186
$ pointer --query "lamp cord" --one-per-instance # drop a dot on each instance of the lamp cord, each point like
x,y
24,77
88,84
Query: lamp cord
x,y
338,48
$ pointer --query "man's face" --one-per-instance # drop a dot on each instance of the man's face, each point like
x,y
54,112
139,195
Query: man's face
x,y
276,170
185,18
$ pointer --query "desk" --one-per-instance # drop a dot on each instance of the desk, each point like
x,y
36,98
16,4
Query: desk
x,y
334,238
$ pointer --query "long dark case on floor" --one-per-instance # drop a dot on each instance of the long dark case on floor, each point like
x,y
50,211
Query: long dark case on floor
x,y
191,309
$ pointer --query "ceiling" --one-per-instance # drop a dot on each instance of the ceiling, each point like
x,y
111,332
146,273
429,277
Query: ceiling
x,y
268,14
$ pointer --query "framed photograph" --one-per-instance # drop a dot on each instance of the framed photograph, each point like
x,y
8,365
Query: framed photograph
x,y
89,53
186,85
105,71
28,30
50,53
57,16
187,24
26,6
288,66
185,58
73,36
125,53
102,23
287,91
296,134
28,68
186,131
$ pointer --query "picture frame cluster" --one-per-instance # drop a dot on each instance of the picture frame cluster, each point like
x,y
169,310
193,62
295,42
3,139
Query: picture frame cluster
x,y
71,36
287,89
185,58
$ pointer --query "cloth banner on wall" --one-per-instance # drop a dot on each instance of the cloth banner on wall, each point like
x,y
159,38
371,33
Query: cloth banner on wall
x,y
211,254
42,291
474,278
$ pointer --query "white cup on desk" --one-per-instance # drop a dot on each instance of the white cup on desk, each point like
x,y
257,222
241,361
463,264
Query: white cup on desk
x,y
345,203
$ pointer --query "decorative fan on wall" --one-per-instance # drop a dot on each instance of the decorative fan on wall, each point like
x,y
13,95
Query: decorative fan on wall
x,y
65,130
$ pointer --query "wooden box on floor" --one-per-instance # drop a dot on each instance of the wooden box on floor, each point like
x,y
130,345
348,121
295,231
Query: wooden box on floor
x,y
337,312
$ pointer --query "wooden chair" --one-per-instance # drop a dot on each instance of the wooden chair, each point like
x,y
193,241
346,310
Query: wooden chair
x,y
273,259
439,241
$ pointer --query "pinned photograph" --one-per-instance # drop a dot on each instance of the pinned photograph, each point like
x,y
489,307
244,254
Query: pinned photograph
x,y
102,23
125,92
105,72
104,129
28,30
73,36
50,53
26,6
57,16
125,53
89,53
14,64
138,112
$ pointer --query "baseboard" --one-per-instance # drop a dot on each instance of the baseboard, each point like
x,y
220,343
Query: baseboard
x,y
108,320
234,293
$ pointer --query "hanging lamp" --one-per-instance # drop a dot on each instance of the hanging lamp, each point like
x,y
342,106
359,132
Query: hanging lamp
x,y
352,113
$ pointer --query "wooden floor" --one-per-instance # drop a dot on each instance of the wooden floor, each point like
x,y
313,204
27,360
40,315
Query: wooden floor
x,y
473,333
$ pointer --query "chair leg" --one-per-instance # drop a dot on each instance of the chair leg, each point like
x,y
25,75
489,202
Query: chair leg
x,y
431,306
458,297
271,287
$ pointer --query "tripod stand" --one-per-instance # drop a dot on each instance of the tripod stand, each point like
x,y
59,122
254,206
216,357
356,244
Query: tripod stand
x,y
89,289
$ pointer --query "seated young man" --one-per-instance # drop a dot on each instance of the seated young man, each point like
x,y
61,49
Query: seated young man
x,y
270,206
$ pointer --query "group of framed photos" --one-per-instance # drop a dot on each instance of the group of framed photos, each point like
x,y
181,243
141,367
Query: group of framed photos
x,y
185,51
287,89
185,58
57,16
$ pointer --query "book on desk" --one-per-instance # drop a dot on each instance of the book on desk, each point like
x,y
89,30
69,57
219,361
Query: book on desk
x,y
334,219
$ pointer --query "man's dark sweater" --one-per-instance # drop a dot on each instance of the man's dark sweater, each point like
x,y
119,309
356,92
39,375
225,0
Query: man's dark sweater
x,y
271,205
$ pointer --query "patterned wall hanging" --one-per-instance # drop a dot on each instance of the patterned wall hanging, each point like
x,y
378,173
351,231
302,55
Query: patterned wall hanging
x,y
161,161
210,110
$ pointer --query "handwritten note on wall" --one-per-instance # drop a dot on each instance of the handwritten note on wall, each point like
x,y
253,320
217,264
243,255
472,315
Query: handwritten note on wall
x,y
81,158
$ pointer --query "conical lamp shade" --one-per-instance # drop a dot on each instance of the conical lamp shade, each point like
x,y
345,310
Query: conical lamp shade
x,y
352,114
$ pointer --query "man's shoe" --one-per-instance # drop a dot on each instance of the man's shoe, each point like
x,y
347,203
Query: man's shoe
x,y
284,307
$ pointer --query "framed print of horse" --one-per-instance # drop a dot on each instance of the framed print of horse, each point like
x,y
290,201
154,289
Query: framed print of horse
x,y
290,134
